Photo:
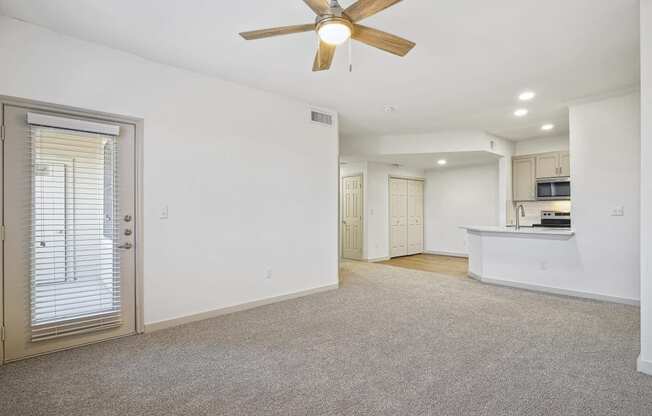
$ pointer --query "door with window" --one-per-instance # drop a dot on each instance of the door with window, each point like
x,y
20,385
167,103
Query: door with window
x,y
69,262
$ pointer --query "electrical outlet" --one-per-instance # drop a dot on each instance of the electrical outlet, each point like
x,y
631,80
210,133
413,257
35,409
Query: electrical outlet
x,y
268,274
164,212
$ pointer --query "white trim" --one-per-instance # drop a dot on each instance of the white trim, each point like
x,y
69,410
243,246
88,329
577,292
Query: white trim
x,y
554,290
409,178
169,323
72,124
475,276
643,366
377,260
447,253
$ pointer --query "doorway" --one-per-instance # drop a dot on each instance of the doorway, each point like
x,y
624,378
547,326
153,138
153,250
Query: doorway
x,y
71,227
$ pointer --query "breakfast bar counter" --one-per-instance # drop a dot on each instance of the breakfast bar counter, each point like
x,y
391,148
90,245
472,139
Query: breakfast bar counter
x,y
534,258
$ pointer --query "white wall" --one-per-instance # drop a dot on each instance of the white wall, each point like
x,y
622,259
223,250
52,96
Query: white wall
x,y
605,149
542,145
249,181
645,360
455,197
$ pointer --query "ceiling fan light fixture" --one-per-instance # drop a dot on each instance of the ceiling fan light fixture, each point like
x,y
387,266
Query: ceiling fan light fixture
x,y
334,31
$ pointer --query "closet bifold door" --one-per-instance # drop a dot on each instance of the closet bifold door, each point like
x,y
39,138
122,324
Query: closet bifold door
x,y
415,217
398,200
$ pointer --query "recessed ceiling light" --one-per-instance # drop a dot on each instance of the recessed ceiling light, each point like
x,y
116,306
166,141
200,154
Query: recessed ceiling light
x,y
526,95
521,112
441,162
547,127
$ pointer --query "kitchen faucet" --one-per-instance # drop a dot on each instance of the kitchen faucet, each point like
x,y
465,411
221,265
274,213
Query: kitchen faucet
x,y
519,210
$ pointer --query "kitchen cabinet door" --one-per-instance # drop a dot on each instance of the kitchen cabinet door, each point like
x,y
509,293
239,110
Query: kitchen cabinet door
x,y
547,165
564,164
523,183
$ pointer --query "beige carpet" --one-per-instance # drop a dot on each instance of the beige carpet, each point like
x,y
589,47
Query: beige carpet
x,y
391,342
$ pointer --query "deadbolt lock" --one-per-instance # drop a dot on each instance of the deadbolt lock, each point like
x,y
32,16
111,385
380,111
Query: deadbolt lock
x,y
128,218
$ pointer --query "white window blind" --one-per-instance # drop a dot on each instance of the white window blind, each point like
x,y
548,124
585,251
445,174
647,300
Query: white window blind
x,y
75,270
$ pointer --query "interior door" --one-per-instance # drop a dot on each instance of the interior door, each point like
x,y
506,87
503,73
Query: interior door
x,y
415,217
352,217
548,165
69,214
398,217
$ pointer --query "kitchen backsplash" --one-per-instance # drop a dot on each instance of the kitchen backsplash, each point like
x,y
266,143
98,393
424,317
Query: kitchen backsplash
x,y
533,210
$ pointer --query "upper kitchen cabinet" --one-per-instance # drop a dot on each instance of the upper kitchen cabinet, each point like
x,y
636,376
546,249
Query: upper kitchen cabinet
x,y
552,165
524,178
547,165
564,163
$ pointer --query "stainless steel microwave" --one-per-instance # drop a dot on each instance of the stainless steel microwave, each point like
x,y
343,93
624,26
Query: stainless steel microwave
x,y
552,189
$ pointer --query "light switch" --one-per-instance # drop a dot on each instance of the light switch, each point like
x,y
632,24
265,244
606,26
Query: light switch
x,y
164,212
618,212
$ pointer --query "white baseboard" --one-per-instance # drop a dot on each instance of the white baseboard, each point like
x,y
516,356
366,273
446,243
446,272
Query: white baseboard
x,y
447,253
377,260
475,276
157,326
555,290
643,366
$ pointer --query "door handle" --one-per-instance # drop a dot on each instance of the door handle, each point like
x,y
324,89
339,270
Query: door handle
x,y
125,246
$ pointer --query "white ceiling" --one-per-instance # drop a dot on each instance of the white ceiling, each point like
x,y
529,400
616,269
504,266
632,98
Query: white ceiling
x,y
471,60
427,161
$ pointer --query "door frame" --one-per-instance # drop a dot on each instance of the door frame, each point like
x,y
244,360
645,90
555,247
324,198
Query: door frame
x,y
362,227
139,125
389,210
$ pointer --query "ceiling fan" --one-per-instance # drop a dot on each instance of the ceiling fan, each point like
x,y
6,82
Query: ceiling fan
x,y
335,26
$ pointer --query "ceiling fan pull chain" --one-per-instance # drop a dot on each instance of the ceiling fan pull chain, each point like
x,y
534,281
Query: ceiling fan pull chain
x,y
350,55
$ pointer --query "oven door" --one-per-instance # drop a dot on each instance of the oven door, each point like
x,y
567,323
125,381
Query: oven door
x,y
552,190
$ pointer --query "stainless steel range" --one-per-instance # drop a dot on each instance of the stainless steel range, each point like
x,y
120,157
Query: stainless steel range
x,y
555,219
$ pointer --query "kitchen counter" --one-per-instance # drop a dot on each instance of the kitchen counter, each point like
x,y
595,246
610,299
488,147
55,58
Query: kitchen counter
x,y
535,231
540,259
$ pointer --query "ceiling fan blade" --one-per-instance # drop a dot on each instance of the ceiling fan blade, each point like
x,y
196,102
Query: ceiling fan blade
x,y
320,7
277,31
365,8
324,57
382,40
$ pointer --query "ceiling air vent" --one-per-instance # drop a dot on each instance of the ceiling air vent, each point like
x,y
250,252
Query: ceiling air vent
x,y
321,118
